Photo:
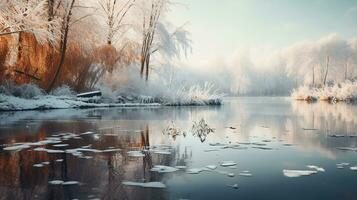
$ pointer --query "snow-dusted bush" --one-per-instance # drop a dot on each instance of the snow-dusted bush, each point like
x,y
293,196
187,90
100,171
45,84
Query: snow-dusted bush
x,y
108,95
164,88
194,95
63,90
346,91
26,91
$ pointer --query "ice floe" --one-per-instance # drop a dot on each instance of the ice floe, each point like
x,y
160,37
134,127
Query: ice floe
x,y
60,145
64,183
298,173
196,170
353,168
55,182
320,169
145,185
135,154
211,167
342,165
48,150
164,152
217,144
181,167
263,148
347,148
17,147
245,173
163,169
228,163
70,183
235,186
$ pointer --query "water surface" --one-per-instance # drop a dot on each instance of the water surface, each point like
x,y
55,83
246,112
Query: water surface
x,y
262,135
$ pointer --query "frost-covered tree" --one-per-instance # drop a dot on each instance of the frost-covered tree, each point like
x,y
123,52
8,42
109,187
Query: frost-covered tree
x,y
114,12
27,16
159,36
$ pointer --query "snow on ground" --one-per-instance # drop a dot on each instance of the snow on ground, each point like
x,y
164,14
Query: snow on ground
x,y
45,102
11,103
346,91
145,185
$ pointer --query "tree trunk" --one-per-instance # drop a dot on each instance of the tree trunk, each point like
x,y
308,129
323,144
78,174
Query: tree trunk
x,y
326,72
63,46
313,76
346,70
147,68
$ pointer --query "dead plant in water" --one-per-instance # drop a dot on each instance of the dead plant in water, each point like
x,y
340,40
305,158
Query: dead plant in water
x,y
201,129
173,131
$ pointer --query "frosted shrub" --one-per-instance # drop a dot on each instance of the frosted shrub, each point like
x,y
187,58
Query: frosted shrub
x,y
23,91
30,91
108,95
194,95
63,90
346,91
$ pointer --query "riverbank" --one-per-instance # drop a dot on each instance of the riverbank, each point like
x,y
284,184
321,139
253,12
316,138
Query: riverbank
x,y
47,102
346,92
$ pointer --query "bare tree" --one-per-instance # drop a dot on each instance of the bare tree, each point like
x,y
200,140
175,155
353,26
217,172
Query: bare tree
x,y
149,30
114,13
346,70
313,75
326,70
63,42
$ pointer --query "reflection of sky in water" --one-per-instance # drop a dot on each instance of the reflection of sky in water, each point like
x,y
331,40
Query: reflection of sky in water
x,y
275,122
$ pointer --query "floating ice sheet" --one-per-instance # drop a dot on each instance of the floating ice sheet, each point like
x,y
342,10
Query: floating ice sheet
x,y
135,154
235,186
298,173
17,147
55,182
228,163
145,185
70,183
196,170
60,182
48,150
347,148
263,148
211,167
164,152
320,169
217,144
163,169
60,145
245,173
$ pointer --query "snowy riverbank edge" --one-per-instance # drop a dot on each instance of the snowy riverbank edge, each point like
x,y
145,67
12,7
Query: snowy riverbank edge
x,y
47,102
345,92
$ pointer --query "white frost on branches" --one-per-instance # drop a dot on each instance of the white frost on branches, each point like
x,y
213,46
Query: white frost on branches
x,y
30,16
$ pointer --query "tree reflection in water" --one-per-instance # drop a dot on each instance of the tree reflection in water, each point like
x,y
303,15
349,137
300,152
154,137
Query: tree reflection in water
x,y
99,177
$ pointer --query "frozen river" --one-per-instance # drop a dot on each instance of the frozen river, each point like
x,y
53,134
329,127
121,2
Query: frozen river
x,y
260,148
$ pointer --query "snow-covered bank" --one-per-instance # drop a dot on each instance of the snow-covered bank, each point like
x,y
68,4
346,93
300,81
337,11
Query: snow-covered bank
x,y
194,97
11,103
346,91
30,97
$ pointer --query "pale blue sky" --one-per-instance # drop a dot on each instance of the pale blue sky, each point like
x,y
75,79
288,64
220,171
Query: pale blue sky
x,y
219,27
